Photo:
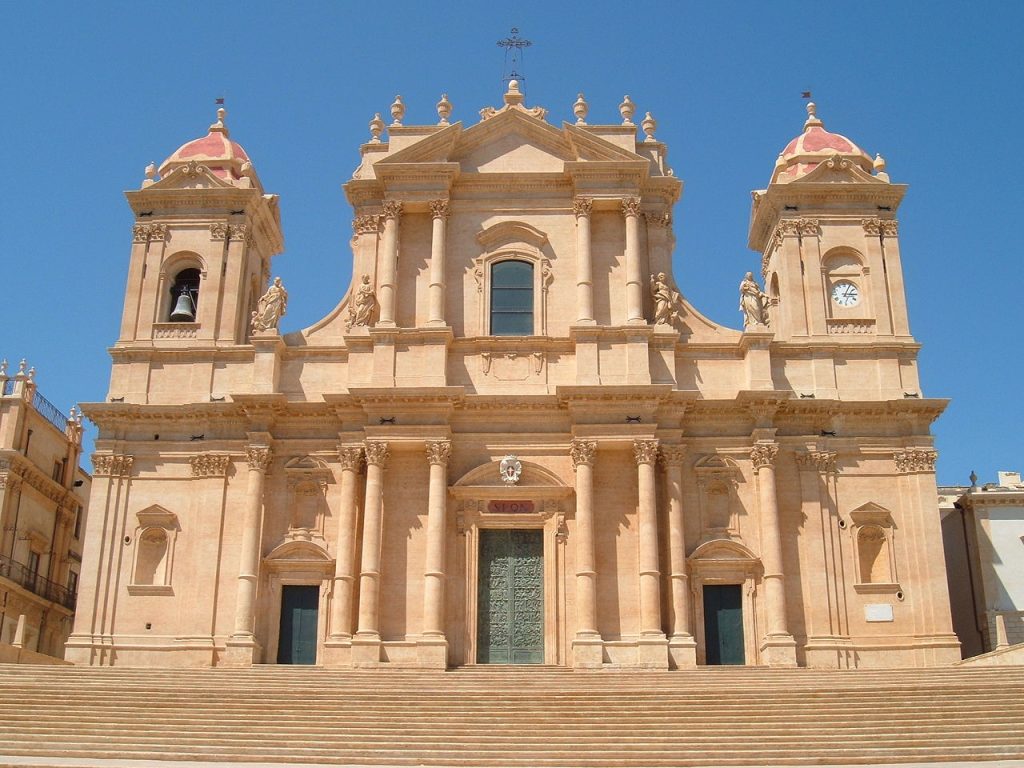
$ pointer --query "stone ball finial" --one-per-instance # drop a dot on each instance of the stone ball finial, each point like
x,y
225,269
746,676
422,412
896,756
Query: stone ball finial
x,y
444,109
220,126
812,117
21,366
879,164
151,170
3,367
397,111
513,95
649,124
32,373
376,128
580,109
627,109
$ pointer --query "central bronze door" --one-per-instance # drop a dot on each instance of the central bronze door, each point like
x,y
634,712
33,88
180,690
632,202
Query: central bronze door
x,y
510,597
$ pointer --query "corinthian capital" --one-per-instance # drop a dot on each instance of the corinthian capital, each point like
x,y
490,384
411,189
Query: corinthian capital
x,y
258,457
350,457
392,209
376,452
645,451
440,209
673,455
438,451
631,206
583,452
763,454
582,206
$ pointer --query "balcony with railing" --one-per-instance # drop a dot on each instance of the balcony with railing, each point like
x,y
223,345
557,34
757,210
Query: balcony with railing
x,y
36,583
49,411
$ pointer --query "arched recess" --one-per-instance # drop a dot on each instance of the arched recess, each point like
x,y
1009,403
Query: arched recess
x,y
301,563
842,267
541,500
513,241
153,560
177,270
725,562
873,530
717,480
307,481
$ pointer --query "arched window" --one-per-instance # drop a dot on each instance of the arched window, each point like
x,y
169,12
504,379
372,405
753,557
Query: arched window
x,y
512,298
184,302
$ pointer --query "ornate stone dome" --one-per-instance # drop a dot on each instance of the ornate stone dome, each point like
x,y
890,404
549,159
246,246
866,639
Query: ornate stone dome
x,y
813,146
225,158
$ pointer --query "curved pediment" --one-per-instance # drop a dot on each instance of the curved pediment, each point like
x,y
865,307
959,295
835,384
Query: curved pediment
x,y
299,551
507,232
489,475
724,550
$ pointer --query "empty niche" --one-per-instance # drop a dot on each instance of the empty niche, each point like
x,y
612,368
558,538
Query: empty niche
x,y
873,530
155,538
717,477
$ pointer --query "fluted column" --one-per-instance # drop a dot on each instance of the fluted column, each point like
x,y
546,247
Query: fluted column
x,y
681,643
778,645
634,279
582,207
344,556
438,453
369,576
583,453
389,262
258,457
439,210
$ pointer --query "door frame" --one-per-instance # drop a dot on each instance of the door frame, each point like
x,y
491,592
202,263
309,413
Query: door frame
x,y
724,561
296,563
319,621
544,599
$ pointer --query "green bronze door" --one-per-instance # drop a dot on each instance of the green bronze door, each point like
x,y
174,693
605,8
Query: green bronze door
x,y
299,607
510,597
723,624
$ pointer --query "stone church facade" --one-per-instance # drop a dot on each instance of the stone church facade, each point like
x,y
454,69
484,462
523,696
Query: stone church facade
x,y
514,440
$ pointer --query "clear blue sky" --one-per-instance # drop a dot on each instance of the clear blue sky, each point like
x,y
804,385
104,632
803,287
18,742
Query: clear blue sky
x,y
92,92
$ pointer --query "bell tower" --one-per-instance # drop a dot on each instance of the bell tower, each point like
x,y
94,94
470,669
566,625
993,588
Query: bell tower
x,y
203,238
826,227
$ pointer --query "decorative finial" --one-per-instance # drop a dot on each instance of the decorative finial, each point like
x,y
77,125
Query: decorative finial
x,y
220,126
21,366
444,109
649,124
580,109
397,111
780,161
151,170
376,128
626,109
72,413
513,95
879,166
32,373
974,479
3,367
812,117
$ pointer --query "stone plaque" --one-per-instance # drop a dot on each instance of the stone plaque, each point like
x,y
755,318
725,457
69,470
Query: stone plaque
x,y
878,612
510,507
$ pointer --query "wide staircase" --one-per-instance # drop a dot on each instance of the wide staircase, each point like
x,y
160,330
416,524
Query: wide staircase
x,y
512,716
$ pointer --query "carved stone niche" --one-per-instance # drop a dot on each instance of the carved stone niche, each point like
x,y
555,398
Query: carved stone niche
x,y
873,531
717,480
307,478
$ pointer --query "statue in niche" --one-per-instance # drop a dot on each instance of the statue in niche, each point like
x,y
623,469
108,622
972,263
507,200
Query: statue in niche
x,y
360,311
753,302
666,300
271,306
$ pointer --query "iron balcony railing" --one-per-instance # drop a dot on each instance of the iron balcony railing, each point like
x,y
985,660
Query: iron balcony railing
x,y
50,412
36,583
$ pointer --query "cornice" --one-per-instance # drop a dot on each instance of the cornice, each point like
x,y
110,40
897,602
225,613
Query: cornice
x,y
13,464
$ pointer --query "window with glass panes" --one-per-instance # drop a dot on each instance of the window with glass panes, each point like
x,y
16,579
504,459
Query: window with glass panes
x,y
512,298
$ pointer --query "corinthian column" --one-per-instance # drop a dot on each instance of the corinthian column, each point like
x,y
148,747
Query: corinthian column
x,y
587,644
634,280
582,207
433,650
389,262
344,556
369,576
653,646
778,647
682,647
258,457
439,210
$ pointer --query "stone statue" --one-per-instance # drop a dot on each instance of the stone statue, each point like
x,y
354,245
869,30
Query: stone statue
x,y
271,306
360,311
753,302
666,300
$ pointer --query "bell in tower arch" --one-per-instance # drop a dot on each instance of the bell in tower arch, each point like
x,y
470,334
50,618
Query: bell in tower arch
x,y
184,310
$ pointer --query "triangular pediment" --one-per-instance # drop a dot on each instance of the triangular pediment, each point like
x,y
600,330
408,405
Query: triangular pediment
x,y
837,170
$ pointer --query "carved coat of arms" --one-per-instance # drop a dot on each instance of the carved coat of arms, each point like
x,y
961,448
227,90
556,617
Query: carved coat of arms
x,y
511,468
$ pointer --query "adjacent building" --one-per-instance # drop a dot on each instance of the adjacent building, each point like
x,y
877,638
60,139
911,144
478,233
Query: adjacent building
x,y
514,440
983,534
43,502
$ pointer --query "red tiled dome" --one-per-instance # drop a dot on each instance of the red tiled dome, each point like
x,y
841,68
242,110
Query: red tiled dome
x,y
215,150
813,146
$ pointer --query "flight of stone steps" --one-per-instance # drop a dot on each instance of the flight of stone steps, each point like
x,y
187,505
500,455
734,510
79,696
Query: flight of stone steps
x,y
513,716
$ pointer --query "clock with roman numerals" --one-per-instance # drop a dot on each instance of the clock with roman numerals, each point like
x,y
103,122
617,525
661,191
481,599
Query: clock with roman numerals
x,y
845,294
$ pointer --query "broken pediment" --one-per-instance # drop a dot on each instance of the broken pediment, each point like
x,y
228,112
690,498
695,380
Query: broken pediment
x,y
837,170
192,175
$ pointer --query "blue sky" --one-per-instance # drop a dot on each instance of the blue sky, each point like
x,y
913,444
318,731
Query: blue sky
x,y
94,91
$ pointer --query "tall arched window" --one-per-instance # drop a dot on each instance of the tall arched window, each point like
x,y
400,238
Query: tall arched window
x,y
185,296
512,298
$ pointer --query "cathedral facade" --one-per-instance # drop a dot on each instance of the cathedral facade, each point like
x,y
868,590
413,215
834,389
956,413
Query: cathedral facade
x,y
514,441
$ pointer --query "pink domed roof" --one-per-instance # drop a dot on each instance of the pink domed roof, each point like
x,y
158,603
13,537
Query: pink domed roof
x,y
225,158
813,146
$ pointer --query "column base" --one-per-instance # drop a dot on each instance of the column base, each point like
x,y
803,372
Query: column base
x,y
587,652
652,652
778,651
241,651
337,652
682,652
432,652
366,651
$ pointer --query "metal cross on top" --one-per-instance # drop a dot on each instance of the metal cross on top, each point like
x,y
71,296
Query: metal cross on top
x,y
514,46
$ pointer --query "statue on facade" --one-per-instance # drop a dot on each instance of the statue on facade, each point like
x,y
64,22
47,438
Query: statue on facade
x,y
271,306
360,311
667,300
753,302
